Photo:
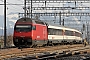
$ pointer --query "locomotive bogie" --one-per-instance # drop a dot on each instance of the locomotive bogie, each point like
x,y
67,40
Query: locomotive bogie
x,y
39,42
22,41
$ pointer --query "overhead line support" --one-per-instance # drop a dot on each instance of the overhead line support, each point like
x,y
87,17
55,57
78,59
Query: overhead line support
x,y
5,24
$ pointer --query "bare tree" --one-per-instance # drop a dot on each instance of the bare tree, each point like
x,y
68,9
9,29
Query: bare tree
x,y
9,40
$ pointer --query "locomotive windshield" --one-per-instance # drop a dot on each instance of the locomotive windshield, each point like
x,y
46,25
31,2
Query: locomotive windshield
x,y
23,28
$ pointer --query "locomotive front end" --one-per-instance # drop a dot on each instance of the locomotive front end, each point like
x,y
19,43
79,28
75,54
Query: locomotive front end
x,y
22,35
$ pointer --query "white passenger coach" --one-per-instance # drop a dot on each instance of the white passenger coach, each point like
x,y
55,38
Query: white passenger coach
x,y
61,34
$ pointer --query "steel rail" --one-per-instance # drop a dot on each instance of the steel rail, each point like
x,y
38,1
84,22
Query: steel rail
x,y
34,51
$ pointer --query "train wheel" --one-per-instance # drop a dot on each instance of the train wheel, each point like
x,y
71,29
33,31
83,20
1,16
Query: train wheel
x,y
71,43
62,43
31,46
44,45
16,45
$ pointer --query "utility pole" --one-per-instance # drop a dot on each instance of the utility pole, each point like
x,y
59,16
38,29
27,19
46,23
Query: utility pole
x,y
87,33
25,8
31,8
60,18
5,24
63,22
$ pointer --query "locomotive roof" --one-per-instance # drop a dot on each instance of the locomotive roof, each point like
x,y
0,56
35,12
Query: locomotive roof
x,y
29,20
26,20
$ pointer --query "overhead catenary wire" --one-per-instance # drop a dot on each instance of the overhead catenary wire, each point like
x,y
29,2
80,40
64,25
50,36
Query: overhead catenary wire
x,y
13,7
21,0
12,4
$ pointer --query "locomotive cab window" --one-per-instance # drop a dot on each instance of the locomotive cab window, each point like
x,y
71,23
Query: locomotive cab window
x,y
23,28
33,27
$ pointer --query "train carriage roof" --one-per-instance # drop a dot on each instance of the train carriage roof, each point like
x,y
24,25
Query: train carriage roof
x,y
62,27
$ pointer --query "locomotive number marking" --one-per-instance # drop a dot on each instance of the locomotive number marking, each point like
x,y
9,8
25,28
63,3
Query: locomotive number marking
x,y
38,36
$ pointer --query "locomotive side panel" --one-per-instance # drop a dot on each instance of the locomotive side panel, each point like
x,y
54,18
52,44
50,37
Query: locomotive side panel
x,y
39,36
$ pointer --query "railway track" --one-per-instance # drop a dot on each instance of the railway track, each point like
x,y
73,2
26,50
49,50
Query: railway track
x,y
43,51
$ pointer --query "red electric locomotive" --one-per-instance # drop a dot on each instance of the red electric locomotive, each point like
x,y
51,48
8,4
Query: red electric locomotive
x,y
30,32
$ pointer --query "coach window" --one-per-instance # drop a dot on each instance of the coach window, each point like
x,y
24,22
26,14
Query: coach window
x,y
66,32
60,32
53,31
56,31
71,33
50,31
76,33
80,35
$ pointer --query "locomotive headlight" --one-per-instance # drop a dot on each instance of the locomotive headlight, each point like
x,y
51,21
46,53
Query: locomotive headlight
x,y
29,40
22,40
16,40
